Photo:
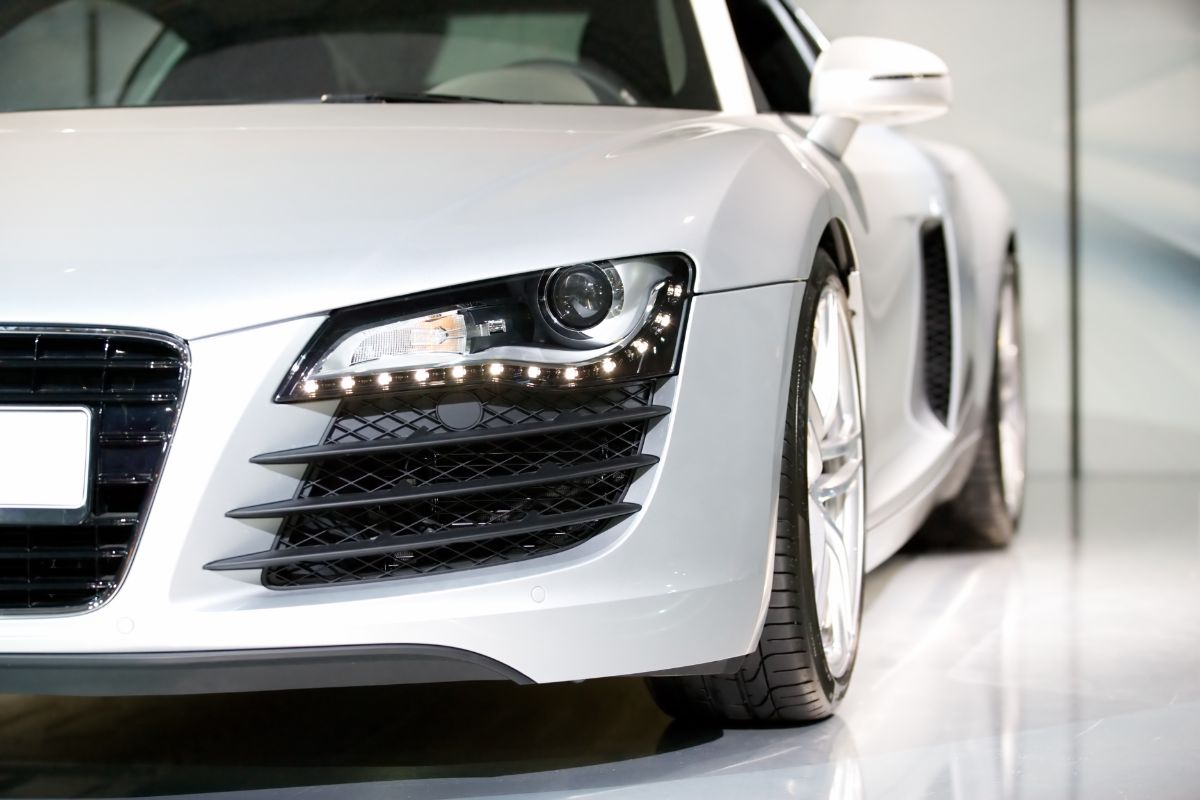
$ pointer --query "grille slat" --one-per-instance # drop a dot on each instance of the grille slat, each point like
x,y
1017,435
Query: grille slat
x,y
394,491
40,552
13,396
87,363
391,544
125,479
132,439
131,381
565,422
444,489
43,585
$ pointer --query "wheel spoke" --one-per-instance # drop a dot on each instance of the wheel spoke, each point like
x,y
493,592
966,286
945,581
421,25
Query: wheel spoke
x,y
825,387
833,527
1010,403
815,461
817,520
835,484
816,420
834,437
835,590
838,559
845,445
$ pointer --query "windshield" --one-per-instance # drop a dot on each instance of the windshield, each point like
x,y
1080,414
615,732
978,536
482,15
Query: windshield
x,y
96,53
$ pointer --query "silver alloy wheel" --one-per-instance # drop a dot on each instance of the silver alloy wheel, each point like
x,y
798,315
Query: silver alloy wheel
x,y
835,481
1010,398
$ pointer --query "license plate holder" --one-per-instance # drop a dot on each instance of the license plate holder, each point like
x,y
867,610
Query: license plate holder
x,y
45,464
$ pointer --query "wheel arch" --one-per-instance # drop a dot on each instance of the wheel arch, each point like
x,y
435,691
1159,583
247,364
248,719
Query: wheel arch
x,y
835,240
839,244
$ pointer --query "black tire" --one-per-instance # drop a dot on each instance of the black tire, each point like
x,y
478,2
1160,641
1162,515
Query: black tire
x,y
978,517
786,679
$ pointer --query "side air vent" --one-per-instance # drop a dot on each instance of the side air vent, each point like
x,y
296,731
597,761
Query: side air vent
x,y
938,323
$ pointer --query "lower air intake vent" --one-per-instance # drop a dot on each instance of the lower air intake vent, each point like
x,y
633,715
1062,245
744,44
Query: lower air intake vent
x,y
939,338
132,383
424,483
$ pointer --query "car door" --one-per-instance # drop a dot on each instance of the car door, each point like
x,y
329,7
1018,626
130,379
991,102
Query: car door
x,y
893,206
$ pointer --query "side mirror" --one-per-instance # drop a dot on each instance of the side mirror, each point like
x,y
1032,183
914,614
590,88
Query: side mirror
x,y
861,79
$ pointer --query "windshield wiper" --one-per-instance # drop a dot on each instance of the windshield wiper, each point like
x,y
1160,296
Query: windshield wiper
x,y
421,97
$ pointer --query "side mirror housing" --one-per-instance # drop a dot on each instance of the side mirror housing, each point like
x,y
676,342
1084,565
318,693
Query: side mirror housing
x,y
861,79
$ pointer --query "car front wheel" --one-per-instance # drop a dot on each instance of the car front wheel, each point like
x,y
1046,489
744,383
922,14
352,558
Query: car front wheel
x,y
809,639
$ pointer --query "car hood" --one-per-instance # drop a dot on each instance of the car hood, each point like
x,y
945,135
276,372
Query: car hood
x,y
198,221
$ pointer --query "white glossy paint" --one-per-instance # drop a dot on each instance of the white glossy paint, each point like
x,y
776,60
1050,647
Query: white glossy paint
x,y
861,79
724,56
236,216
868,79
239,227
631,600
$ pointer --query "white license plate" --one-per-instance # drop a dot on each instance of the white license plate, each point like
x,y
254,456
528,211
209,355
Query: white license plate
x,y
45,456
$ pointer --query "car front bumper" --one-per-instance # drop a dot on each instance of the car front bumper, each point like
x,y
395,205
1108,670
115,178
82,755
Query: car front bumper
x,y
683,582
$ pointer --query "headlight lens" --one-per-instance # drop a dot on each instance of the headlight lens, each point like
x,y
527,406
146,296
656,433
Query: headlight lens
x,y
579,325
426,339
580,297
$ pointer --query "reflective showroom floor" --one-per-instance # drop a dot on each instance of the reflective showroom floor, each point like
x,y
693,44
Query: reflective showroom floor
x,y
1068,667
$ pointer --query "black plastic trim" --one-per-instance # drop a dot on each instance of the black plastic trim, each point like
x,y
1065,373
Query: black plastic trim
x,y
443,489
133,438
70,398
23,553
420,541
726,666
220,671
77,363
909,76
938,320
565,422
51,585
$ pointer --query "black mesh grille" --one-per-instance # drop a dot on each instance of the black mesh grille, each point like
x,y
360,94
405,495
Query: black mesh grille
x,y
398,417
372,473
938,331
132,386
370,419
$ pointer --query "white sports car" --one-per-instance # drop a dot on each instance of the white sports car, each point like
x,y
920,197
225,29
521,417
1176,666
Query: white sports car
x,y
544,340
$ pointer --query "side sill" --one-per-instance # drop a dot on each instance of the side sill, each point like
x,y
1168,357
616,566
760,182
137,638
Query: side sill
x,y
222,671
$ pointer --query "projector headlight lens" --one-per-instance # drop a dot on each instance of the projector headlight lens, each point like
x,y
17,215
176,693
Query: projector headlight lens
x,y
580,297
573,326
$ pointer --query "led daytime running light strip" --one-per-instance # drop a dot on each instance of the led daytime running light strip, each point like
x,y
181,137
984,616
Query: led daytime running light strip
x,y
618,365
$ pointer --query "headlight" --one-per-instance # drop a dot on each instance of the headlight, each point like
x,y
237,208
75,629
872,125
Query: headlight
x,y
581,297
573,326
